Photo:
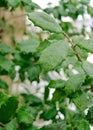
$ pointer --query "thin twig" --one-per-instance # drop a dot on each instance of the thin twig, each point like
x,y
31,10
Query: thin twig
x,y
73,46
2,124
77,54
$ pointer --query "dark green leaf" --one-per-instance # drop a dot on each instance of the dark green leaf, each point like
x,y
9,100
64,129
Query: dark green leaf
x,y
49,114
3,85
44,21
59,95
89,115
32,128
32,98
33,73
8,109
57,83
46,93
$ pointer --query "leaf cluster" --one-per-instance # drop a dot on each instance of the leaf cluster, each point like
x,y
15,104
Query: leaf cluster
x,y
35,58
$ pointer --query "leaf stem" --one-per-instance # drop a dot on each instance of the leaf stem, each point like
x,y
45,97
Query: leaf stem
x,y
2,124
76,53
73,46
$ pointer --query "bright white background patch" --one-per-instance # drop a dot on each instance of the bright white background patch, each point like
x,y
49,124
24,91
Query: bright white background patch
x,y
43,3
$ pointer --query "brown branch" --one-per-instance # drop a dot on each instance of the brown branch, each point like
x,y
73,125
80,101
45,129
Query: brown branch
x,y
73,46
17,16
2,124
77,55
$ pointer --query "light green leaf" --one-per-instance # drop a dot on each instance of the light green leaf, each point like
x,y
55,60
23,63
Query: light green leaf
x,y
57,83
28,46
53,55
85,2
5,49
12,125
88,67
45,21
13,3
69,60
3,98
83,125
74,83
5,63
83,100
86,44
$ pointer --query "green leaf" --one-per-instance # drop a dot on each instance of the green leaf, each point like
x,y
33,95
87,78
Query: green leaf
x,y
59,95
90,10
33,73
82,52
69,60
3,85
12,125
8,109
57,83
49,114
32,128
32,99
13,3
46,93
44,21
89,115
74,83
3,98
1,128
53,55
85,2
56,36
88,67
28,46
3,3
83,100
24,117
86,44
5,49
83,125
5,63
